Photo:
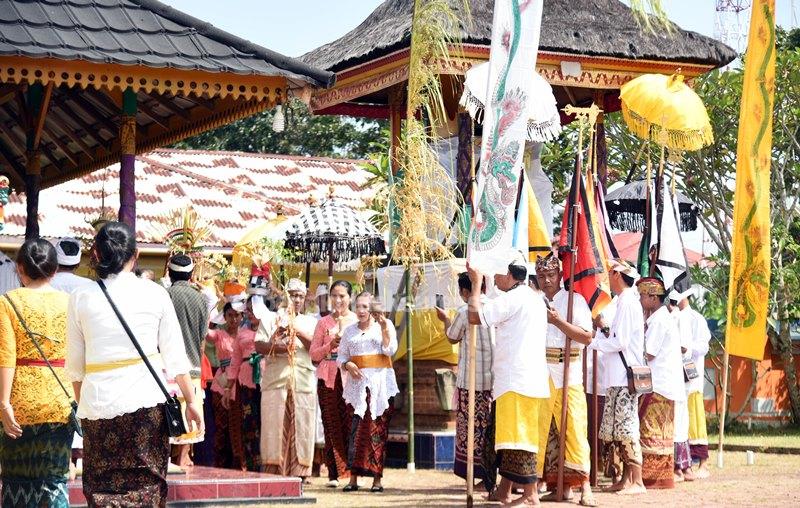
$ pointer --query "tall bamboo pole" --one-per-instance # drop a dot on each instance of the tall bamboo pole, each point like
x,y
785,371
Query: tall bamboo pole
x,y
411,467
473,335
595,416
562,435
724,414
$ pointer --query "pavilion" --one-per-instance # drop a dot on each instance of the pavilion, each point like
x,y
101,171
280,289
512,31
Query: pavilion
x,y
87,83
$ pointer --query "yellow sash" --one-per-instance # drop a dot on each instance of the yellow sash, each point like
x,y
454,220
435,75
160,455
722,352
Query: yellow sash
x,y
93,368
372,361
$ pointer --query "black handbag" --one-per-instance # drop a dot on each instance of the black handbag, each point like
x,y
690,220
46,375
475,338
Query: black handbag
x,y
74,422
172,407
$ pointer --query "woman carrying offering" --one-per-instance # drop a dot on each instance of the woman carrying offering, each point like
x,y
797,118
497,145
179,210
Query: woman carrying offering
x,y
323,351
126,441
365,353
289,396
34,408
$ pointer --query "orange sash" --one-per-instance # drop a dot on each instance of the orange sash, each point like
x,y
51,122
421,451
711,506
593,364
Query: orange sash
x,y
372,361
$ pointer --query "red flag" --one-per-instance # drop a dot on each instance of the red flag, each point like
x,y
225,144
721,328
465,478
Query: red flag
x,y
591,278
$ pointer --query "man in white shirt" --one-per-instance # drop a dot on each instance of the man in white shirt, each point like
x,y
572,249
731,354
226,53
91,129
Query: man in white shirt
x,y
577,459
657,410
683,456
69,259
697,328
520,385
623,339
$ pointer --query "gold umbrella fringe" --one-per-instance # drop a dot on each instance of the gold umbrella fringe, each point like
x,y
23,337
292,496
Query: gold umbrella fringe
x,y
686,140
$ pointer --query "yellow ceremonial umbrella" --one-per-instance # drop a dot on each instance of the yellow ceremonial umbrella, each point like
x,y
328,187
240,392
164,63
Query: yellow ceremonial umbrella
x,y
665,110
272,229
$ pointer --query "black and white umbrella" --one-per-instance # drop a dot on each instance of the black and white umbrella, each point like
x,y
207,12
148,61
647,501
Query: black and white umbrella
x,y
626,208
333,232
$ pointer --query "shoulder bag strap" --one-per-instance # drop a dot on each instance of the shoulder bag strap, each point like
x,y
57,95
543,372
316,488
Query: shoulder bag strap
x,y
32,335
133,339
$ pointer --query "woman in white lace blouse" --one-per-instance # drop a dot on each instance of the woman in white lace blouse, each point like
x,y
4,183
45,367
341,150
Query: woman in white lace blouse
x,y
365,353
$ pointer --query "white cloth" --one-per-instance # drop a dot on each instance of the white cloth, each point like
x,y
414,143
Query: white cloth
x,y
520,320
662,341
685,332
68,282
95,336
626,334
701,336
608,313
8,275
381,381
582,318
681,433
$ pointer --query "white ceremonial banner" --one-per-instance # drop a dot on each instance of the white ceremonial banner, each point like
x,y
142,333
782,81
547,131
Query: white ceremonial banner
x,y
512,62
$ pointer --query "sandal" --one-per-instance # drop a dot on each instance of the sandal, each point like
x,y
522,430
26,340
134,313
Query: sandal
x,y
379,488
350,488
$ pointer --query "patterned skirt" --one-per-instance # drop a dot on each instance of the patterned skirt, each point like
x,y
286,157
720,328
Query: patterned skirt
x,y
577,458
288,449
683,456
336,422
125,459
204,450
656,417
35,466
366,443
698,434
483,465
619,430
249,402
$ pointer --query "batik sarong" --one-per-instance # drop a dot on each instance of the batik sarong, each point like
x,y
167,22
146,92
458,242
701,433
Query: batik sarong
x,y
31,477
204,450
288,449
698,433
483,415
577,460
517,436
336,422
366,443
657,418
249,403
619,429
125,459
683,456
224,434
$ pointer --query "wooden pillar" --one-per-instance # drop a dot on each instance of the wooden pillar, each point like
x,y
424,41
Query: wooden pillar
x,y
127,159
464,157
38,100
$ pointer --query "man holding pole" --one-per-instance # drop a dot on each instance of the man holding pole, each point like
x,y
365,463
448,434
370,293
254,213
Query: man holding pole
x,y
623,340
577,455
520,386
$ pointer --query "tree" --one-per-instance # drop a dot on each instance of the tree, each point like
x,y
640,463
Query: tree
x,y
708,176
305,134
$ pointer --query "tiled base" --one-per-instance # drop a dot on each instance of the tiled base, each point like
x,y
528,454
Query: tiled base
x,y
211,484
432,450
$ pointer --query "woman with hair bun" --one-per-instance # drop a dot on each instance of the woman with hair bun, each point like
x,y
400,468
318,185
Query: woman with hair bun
x,y
126,447
34,409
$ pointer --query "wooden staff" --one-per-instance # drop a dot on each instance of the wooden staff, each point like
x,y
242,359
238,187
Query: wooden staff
x,y
562,435
725,361
473,336
595,416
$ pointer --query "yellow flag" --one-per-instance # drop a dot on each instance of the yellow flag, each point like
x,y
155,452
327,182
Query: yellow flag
x,y
748,291
539,243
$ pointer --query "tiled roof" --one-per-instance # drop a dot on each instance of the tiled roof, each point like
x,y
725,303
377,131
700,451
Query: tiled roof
x,y
137,32
215,183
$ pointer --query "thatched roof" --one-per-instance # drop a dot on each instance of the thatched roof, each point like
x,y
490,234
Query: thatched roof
x,y
587,27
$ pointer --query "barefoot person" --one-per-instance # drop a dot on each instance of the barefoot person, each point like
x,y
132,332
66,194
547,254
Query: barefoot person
x,y
323,351
457,332
365,354
657,410
577,460
520,386
700,334
625,338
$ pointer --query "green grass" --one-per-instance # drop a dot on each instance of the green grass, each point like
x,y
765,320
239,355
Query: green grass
x,y
773,437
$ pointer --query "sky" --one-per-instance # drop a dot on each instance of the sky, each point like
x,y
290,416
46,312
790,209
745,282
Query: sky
x,y
296,27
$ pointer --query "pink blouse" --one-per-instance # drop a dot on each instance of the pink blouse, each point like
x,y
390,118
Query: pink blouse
x,y
321,351
240,368
224,344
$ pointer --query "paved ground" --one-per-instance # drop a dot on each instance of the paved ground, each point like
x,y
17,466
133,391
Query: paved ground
x,y
772,481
